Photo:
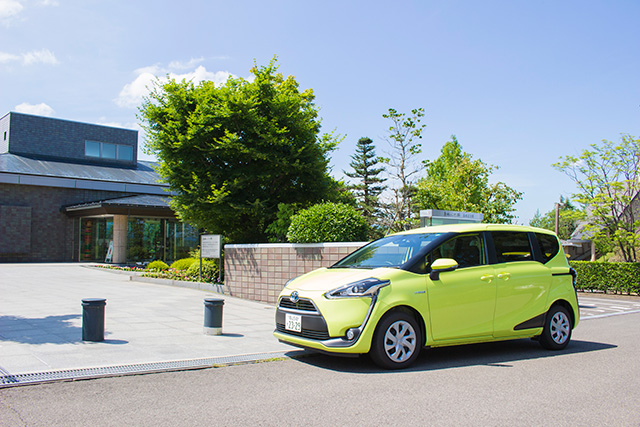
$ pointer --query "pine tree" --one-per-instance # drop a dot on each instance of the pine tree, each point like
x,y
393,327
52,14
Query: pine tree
x,y
369,184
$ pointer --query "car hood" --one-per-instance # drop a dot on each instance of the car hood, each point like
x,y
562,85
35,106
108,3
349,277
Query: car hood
x,y
326,279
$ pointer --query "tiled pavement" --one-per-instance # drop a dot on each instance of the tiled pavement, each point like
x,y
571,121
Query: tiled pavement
x,y
41,321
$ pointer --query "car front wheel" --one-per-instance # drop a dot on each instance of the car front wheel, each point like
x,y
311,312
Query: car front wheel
x,y
557,329
396,342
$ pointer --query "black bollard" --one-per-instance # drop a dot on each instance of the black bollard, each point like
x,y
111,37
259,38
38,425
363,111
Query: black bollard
x,y
93,319
213,316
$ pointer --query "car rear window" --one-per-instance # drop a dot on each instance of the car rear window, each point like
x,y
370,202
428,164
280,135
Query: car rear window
x,y
548,246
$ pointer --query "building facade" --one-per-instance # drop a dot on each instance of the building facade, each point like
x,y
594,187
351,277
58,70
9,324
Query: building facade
x,y
74,191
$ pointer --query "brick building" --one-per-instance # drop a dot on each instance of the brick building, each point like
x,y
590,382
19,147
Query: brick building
x,y
74,191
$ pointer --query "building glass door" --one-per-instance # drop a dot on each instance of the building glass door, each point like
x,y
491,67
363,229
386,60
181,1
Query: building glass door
x,y
96,234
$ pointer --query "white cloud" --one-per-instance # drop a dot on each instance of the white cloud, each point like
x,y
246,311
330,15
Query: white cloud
x,y
133,93
42,56
9,9
5,58
41,109
177,65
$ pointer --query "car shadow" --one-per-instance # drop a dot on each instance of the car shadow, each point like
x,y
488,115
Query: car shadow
x,y
498,354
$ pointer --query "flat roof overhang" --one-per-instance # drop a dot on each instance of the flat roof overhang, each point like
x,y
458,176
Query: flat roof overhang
x,y
148,206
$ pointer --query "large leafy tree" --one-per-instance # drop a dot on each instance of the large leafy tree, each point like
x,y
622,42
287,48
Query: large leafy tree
x,y
608,180
458,182
232,153
403,138
369,184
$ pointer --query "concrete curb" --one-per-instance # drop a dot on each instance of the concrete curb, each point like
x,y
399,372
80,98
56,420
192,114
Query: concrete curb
x,y
210,287
137,277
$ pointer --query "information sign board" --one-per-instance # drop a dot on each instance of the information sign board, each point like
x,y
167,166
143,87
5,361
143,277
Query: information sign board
x,y
210,245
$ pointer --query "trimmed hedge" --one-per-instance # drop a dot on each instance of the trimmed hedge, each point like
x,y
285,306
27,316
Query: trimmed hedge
x,y
157,266
210,270
184,263
328,222
614,277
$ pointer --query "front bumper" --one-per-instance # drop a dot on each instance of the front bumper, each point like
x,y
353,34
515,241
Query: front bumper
x,y
317,334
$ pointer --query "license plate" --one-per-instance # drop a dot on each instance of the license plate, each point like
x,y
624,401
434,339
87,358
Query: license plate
x,y
293,322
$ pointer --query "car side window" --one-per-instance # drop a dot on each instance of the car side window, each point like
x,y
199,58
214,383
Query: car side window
x,y
548,246
512,246
466,249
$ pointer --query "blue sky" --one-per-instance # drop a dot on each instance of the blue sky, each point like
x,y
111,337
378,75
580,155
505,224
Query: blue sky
x,y
520,83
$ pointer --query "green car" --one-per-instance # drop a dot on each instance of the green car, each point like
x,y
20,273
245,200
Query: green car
x,y
433,287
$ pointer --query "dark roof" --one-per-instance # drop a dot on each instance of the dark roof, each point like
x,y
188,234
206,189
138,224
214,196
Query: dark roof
x,y
131,205
143,173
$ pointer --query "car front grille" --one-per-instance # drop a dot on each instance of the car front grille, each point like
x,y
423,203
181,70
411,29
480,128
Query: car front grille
x,y
306,333
302,304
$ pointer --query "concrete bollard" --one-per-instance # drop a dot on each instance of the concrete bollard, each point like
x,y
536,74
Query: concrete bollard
x,y
213,316
93,319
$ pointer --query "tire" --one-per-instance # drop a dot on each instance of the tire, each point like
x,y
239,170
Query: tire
x,y
557,329
397,341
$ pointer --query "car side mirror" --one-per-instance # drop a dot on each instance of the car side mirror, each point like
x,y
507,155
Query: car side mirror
x,y
442,265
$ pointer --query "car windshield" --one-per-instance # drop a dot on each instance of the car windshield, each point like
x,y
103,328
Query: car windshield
x,y
391,251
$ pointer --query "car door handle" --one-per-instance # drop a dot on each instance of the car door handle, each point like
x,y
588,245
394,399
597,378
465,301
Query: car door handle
x,y
487,278
504,276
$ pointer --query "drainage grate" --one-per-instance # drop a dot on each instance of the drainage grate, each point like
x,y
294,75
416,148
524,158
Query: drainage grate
x,y
8,380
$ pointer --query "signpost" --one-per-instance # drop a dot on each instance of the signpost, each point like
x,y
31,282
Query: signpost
x,y
210,247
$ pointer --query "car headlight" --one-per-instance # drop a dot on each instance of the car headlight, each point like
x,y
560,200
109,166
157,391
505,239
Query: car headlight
x,y
361,288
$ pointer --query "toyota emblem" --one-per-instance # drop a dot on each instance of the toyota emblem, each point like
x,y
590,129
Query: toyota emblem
x,y
294,296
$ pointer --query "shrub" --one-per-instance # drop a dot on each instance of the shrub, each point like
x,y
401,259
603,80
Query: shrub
x,y
183,264
328,222
618,277
209,270
157,266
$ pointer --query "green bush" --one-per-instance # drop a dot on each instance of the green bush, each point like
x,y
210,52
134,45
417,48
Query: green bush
x,y
209,271
183,264
328,222
616,277
157,266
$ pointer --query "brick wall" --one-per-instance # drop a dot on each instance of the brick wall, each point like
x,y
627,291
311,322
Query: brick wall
x,y
47,234
15,229
259,272
55,138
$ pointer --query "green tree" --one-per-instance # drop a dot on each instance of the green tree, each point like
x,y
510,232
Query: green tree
x,y
569,217
369,183
455,181
608,183
328,222
232,153
404,133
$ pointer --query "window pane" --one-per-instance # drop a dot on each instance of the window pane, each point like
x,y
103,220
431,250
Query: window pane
x,y
512,246
467,250
125,152
108,151
92,149
548,246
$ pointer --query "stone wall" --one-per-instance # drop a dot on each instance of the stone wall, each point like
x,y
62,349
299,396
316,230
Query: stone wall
x,y
259,272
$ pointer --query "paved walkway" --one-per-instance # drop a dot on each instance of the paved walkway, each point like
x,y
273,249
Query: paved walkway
x,y
41,321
